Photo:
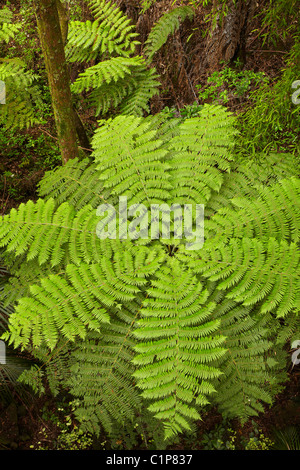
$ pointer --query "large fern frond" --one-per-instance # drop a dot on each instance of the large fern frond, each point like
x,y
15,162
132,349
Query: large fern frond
x,y
77,182
250,176
90,40
273,213
250,367
130,158
116,80
253,251
70,303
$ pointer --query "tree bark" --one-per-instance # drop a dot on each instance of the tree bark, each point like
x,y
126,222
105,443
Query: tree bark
x,y
58,77
227,39
64,22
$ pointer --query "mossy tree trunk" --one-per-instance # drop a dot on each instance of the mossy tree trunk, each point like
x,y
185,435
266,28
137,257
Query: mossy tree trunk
x,y
58,77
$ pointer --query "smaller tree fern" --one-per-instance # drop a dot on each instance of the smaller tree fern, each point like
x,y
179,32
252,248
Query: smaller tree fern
x,y
150,322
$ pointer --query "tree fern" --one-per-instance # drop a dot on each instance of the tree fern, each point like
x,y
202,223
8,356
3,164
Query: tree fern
x,y
170,328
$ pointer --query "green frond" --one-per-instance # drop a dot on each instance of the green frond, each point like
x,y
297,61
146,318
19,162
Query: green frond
x,y
58,307
177,344
165,26
290,329
36,229
250,176
53,366
52,235
74,301
77,182
106,71
22,273
249,368
8,30
129,95
137,101
275,212
5,15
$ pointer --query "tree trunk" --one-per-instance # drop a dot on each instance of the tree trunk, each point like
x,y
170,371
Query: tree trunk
x,y
228,35
58,76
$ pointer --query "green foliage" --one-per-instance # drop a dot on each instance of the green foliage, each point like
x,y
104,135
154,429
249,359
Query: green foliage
x,y
222,437
257,440
7,28
178,344
219,438
69,436
77,182
231,83
110,34
118,81
22,94
279,21
287,438
165,26
148,322
272,120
